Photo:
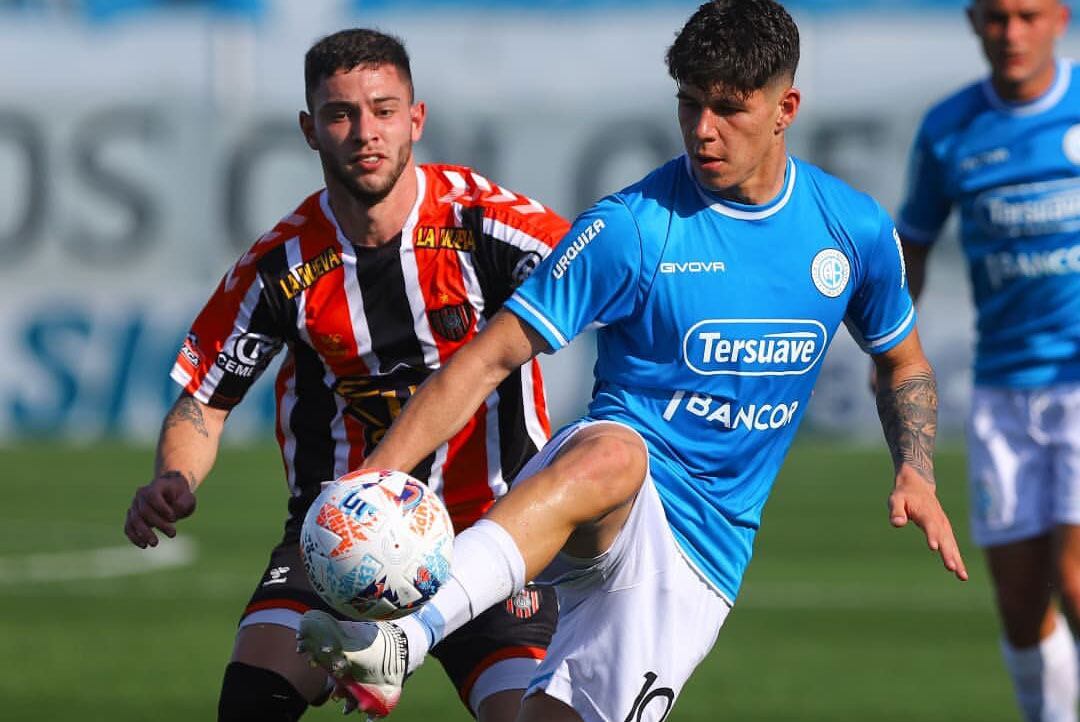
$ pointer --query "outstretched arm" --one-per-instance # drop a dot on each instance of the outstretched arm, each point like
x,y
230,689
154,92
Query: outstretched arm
x,y
907,406
187,447
450,397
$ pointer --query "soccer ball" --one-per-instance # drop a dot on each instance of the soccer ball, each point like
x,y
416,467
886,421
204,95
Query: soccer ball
x,y
376,544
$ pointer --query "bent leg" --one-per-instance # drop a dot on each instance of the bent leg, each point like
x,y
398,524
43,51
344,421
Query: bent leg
x,y
582,496
642,604
584,479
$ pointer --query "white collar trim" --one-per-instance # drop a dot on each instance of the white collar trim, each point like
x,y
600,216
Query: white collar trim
x,y
743,214
1041,104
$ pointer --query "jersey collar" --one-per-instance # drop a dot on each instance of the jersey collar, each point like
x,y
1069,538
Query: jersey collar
x,y
1046,101
743,211
410,221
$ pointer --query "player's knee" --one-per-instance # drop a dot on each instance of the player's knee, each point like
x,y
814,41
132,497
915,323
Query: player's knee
x,y
250,694
611,466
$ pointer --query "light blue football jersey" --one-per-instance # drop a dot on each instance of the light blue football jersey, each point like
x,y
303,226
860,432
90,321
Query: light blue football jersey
x,y
1013,170
713,320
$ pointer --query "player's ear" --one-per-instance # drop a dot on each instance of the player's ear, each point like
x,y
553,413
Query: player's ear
x,y
787,107
307,127
1064,14
418,114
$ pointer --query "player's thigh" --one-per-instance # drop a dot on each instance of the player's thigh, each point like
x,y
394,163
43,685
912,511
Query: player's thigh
x,y
1060,421
493,658
501,706
633,624
542,708
1010,470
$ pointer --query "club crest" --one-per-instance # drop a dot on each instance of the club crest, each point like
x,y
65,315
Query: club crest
x,y
452,322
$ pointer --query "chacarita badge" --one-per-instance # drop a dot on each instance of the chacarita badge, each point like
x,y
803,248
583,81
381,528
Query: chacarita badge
x,y
524,604
452,322
830,272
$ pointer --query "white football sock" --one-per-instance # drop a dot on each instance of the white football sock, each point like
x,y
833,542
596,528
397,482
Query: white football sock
x,y
487,568
1045,676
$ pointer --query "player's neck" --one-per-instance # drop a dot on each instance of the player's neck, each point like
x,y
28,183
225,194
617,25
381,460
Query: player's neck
x,y
1026,90
764,184
374,225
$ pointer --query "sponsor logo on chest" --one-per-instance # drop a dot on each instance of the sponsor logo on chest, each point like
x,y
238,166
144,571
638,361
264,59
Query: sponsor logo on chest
x,y
449,239
995,156
692,267
754,347
1030,209
304,276
245,354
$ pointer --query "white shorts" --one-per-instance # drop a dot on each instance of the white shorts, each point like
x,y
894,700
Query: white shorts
x,y
1023,462
634,623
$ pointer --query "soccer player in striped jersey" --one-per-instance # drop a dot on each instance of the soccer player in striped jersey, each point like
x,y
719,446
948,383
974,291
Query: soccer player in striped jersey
x,y
1005,152
368,287
717,283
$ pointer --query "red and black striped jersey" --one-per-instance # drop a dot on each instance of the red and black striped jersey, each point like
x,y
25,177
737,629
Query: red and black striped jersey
x,y
362,327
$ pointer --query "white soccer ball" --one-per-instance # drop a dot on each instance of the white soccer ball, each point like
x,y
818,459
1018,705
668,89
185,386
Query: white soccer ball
x,y
376,544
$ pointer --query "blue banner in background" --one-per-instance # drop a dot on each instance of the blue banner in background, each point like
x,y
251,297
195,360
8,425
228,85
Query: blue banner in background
x,y
586,5
112,9
107,10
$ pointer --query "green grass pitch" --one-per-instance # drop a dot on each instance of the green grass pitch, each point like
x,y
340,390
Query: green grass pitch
x,y
842,618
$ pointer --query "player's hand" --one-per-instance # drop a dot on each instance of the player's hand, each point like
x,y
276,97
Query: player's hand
x,y
158,505
914,498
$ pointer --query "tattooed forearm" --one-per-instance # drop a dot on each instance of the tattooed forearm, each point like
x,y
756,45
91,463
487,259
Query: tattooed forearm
x,y
908,414
186,409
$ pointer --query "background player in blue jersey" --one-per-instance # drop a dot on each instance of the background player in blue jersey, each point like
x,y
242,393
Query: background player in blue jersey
x,y
1006,152
717,283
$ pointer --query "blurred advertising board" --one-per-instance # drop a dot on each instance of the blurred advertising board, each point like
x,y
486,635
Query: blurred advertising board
x,y
143,154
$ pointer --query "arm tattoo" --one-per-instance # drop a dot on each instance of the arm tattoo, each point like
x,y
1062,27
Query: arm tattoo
x,y
186,409
909,419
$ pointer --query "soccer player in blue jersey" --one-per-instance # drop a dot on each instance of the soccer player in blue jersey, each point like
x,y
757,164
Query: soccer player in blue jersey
x,y
716,283
1005,151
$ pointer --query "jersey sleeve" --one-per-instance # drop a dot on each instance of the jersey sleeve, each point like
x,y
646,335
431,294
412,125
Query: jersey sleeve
x,y
880,313
926,205
513,245
231,342
590,279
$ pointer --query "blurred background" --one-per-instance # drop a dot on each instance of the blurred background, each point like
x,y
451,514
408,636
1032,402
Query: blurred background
x,y
145,144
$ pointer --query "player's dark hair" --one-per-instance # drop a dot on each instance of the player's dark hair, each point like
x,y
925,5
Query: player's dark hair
x,y
348,49
738,45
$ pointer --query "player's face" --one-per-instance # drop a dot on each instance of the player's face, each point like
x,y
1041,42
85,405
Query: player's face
x,y
1018,39
735,142
363,124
